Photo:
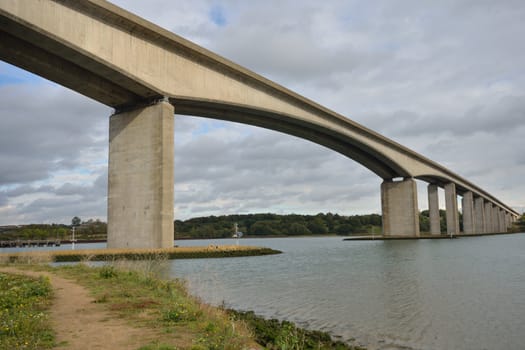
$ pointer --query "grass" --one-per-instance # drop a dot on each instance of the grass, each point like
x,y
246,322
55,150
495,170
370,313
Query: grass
x,y
211,251
164,306
284,335
174,319
23,317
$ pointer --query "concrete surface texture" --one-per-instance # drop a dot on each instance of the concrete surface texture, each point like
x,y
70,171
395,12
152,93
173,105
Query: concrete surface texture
x,y
399,207
140,178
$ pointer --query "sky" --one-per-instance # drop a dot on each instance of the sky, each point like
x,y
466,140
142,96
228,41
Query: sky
x,y
444,78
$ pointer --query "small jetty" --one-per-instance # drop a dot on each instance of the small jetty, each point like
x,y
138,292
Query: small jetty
x,y
422,236
201,252
30,243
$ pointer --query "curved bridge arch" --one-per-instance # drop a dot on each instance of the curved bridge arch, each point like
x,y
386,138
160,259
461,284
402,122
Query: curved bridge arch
x,y
123,61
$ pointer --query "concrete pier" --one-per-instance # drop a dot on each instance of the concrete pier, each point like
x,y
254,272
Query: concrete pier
x,y
433,209
479,213
468,213
140,179
451,204
488,218
502,221
495,219
400,209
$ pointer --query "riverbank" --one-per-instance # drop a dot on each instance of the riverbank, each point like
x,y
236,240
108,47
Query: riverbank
x,y
210,251
93,304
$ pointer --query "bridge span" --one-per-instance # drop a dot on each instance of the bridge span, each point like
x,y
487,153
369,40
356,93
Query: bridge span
x,y
147,74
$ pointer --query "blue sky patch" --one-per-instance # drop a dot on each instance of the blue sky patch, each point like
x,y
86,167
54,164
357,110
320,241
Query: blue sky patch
x,y
11,75
217,15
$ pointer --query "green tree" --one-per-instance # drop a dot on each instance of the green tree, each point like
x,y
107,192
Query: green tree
x,y
318,227
75,221
298,229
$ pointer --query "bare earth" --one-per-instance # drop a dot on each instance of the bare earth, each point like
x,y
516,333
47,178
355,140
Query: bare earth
x,y
81,324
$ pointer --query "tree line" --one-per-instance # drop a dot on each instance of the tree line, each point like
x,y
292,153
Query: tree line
x,y
277,225
254,225
85,230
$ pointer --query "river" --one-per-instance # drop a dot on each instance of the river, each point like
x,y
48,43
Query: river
x,y
466,293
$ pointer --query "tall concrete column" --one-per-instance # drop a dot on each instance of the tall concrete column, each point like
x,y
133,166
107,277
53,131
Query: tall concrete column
x,y
479,213
451,204
140,183
468,213
399,206
502,221
488,218
433,209
495,219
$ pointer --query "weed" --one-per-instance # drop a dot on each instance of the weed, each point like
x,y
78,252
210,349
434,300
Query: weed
x,y
144,300
107,271
23,317
157,346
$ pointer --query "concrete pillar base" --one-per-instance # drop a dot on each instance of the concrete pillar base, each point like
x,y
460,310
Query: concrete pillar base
x,y
433,210
451,204
140,178
399,206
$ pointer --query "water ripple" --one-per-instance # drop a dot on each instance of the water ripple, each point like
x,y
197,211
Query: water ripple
x,y
426,295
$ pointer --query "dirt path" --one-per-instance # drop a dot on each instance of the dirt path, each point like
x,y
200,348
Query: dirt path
x,y
81,324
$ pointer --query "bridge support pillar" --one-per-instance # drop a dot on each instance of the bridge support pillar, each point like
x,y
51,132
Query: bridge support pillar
x,y
399,206
140,177
488,218
502,221
468,213
495,219
479,213
451,205
433,209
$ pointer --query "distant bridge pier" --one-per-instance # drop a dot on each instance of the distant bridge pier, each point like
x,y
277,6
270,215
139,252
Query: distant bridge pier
x,y
502,221
399,207
433,209
451,206
140,177
467,204
488,218
495,219
479,213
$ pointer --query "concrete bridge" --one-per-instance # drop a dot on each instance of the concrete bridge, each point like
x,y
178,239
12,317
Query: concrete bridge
x,y
147,74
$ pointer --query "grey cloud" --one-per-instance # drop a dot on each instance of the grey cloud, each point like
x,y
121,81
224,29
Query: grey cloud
x,y
27,189
493,117
44,129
